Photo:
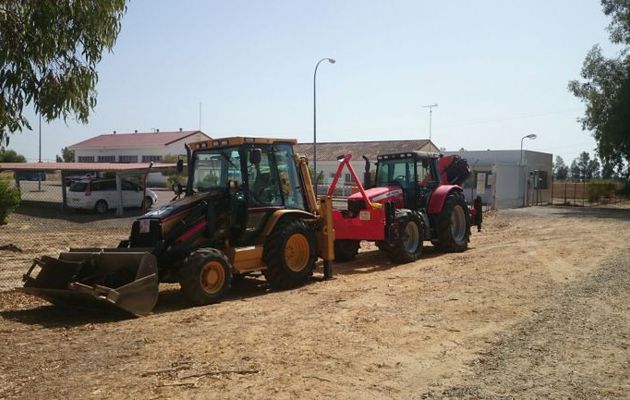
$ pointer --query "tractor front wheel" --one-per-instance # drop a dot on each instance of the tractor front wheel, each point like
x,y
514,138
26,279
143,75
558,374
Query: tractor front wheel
x,y
408,246
453,225
206,276
290,254
346,250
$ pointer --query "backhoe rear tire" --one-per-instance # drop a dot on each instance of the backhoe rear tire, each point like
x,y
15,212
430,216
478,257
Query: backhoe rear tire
x,y
408,246
453,225
205,276
290,254
346,250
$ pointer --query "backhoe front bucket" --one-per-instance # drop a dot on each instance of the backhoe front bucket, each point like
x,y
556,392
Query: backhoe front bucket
x,y
125,280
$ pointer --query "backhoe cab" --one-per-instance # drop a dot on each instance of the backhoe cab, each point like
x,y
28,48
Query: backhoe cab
x,y
249,206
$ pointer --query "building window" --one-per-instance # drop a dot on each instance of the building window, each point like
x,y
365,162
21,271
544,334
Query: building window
x,y
348,178
106,158
128,159
151,158
86,158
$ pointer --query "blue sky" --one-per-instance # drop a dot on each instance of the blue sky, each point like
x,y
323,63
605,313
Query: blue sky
x,y
497,69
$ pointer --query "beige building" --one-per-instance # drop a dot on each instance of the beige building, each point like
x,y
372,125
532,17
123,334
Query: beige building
x,y
327,153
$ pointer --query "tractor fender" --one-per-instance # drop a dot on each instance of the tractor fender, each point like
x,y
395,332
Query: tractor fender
x,y
439,195
280,214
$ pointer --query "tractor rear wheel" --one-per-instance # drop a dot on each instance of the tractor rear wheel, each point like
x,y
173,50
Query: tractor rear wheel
x,y
346,250
453,225
408,246
205,276
290,254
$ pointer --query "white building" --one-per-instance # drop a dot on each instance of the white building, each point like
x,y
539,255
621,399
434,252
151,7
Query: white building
x,y
134,147
504,181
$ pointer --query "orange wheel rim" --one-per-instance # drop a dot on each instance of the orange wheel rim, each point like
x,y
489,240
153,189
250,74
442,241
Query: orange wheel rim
x,y
297,252
212,277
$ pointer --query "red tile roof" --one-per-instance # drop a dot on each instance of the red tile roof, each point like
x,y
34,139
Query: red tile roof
x,y
48,166
127,140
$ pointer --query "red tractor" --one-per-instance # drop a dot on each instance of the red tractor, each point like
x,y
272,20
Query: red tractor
x,y
416,197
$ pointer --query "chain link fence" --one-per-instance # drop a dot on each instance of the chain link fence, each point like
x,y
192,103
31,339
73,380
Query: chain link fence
x,y
586,193
40,225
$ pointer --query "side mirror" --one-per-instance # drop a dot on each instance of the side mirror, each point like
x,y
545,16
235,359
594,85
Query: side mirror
x,y
255,155
180,166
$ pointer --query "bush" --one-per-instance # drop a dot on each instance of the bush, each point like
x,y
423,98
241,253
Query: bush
x,y
600,189
9,200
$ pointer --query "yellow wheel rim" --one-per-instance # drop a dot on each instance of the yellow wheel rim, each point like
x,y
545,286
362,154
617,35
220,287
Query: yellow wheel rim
x,y
297,252
212,277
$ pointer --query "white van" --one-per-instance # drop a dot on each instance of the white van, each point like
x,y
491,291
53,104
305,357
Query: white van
x,y
100,195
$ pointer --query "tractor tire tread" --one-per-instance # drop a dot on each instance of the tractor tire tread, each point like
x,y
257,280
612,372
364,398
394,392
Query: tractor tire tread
x,y
446,243
396,251
189,276
277,273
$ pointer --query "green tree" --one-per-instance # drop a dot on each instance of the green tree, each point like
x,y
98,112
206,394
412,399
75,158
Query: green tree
x,y
560,169
11,156
585,167
9,200
67,155
575,170
48,56
583,161
606,88
593,169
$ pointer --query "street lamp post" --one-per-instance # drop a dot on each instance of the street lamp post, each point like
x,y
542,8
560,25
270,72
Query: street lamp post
x,y
531,136
332,61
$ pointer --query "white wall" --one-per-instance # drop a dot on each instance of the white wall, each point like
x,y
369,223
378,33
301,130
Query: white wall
x,y
175,148
511,181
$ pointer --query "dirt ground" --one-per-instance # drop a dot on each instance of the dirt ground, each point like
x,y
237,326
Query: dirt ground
x,y
538,307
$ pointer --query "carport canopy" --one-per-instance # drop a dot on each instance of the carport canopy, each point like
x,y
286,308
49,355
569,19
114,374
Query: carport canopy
x,y
66,169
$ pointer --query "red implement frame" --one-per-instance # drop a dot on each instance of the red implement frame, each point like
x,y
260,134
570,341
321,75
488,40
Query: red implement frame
x,y
369,224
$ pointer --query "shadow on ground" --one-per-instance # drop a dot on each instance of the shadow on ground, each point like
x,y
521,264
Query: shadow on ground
x,y
47,210
574,212
172,300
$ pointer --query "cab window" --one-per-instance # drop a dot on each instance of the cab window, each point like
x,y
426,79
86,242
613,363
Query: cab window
x,y
396,172
289,178
264,189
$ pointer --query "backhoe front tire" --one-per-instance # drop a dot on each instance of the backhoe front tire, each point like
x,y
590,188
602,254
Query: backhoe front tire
x,y
290,254
205,276
408,246
453,225
346,249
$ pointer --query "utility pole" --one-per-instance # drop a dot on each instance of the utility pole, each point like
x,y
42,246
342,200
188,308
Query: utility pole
x,y
430,107
39,174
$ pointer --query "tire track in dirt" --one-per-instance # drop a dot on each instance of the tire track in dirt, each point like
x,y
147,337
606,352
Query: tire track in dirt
x,y
578,347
